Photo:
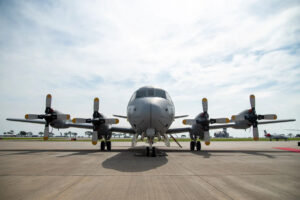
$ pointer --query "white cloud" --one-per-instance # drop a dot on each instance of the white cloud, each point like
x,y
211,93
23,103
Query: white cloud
x,y
218,49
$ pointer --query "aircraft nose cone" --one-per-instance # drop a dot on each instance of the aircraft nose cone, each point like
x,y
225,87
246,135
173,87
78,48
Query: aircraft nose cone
x,y
150,114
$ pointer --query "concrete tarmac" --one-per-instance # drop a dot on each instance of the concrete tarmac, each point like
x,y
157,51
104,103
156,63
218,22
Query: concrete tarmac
x,y
78,170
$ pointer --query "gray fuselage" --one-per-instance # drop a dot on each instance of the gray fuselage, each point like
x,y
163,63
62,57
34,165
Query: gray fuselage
x,y
150,109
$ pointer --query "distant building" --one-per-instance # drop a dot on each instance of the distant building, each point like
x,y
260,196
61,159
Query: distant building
x,y
222,134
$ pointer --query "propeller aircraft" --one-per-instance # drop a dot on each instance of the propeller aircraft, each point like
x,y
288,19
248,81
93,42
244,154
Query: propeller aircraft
x,y
150,113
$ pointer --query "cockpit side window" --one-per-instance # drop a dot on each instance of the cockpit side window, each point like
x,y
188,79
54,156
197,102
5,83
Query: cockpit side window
x,y
168,97
133,97
160,93
141,93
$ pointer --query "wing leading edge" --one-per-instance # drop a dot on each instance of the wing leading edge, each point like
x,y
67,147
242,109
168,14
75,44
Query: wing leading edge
x,y
27,120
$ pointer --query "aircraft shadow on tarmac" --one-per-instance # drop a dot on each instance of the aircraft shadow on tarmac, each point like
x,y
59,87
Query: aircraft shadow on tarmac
x,y
139,152
135,160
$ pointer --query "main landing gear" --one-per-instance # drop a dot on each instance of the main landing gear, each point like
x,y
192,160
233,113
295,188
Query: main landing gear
x,y
106,144
196,144
153,152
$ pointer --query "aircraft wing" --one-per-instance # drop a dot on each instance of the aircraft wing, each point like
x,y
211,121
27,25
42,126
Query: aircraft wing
x,y
34,121
276,121
83,125
122,130
178,130
180,116
221,126
120,116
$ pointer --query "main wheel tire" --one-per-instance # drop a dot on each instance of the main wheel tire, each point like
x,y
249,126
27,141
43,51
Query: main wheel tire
x,y
147,151
153,152
198,146
192,145
108,145
102,146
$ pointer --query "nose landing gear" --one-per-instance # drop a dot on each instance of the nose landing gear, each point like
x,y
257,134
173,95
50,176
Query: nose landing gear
x,y
153,151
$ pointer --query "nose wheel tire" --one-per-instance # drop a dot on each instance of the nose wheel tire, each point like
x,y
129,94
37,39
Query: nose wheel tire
x,y
108,145
192,145
102,146
198,146
147,151
153,152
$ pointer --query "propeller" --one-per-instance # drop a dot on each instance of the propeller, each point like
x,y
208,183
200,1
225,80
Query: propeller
x,y
97,121
49,116
253,118
204,121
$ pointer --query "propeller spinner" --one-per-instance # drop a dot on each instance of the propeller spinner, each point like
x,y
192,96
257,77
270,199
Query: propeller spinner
x,y
49,116
204,121
253,118
97,121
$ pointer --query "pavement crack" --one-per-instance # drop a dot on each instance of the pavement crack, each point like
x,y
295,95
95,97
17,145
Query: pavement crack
x,y
215,187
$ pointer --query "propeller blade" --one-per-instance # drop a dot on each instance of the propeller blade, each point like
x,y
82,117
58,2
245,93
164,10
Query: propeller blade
x,y
204,105
48,101
269,116
46,132
255,133
189,121
252,101
96,104
111,121
237,117
95,137
31,116
63,116
221,120
79,120
206,137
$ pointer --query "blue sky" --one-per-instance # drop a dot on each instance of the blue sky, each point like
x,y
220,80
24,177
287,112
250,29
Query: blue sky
x,y
222,50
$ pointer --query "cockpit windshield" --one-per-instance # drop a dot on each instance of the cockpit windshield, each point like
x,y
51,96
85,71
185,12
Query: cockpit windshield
x,y
150,92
